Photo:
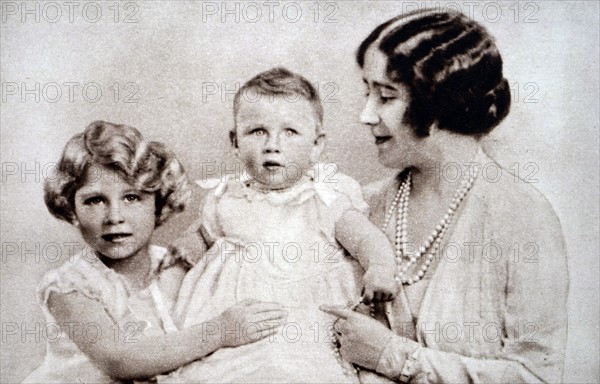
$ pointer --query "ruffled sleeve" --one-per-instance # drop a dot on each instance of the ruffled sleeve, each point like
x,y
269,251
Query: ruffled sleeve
x,y
93,281
338,191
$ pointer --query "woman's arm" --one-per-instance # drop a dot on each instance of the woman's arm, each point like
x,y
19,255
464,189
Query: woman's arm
x,y
532,314
367,244
122,351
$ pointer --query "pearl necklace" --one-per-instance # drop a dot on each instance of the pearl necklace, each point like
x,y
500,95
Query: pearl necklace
x,y
405,261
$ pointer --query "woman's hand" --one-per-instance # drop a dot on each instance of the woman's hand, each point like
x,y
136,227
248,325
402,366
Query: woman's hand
x,y
247,322
362,339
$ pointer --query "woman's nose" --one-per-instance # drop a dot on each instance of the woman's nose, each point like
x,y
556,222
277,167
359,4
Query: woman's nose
x,y
369,114
272,144
114,214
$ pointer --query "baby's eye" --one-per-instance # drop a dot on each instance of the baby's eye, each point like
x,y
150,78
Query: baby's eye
x,y
290,132
93,200
131,197
257,132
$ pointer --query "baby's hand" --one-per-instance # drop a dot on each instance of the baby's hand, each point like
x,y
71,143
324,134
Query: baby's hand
x,y
249,321
380,284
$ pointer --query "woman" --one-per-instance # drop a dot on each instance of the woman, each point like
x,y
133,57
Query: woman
x,y
480,257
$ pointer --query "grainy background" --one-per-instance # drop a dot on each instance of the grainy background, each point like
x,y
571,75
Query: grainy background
x,y
176,65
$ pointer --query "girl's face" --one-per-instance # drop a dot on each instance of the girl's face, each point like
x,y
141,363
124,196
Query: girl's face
x,y
115,219
385,107
277,139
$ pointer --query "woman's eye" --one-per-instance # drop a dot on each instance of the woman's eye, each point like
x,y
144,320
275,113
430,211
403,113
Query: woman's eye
x,y
93,200
290,132
132,197
385,97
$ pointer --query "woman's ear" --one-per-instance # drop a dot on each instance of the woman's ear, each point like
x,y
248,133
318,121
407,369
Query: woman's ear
x,y
319,145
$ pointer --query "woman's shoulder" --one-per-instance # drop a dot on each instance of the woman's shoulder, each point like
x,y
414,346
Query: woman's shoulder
x,y
504,190
515,205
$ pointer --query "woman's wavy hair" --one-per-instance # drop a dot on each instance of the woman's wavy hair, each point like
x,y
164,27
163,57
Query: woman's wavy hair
x,y
148,166
451,67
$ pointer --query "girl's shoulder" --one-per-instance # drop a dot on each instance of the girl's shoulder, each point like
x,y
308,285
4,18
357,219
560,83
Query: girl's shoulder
x,y
78,272
85,274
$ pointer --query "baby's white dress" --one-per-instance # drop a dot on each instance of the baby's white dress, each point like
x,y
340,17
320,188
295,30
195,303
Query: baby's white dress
x,y
275,247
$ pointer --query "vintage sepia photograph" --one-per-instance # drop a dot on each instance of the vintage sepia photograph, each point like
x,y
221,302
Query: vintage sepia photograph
x,y
299,191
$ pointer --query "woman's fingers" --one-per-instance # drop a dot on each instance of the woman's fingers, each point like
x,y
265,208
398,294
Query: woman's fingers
x,y
368,296
340,326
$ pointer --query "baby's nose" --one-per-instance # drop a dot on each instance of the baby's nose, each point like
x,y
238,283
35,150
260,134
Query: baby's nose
x,y
272,144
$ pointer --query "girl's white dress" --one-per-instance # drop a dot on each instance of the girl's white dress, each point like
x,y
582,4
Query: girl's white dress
x,y
144,312
277,247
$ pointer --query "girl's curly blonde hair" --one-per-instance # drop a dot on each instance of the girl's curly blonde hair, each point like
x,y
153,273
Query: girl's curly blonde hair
x,y
148,166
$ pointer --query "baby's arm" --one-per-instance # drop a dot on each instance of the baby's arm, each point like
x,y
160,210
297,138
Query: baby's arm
x,y
371,247
125,355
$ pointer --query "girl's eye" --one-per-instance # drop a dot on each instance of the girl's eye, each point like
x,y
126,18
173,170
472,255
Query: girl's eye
x,y
290,132
93,200
132,197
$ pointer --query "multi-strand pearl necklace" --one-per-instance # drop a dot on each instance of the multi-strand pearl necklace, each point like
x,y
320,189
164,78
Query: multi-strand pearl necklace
x,y
404,260
408,272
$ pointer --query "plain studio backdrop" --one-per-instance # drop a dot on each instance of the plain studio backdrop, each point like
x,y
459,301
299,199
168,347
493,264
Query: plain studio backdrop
x,y
170,69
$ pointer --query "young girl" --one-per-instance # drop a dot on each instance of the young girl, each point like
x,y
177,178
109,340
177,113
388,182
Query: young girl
x,y
112,302
278,232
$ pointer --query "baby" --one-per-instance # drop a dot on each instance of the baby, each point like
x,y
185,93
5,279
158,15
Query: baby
x,y
280,232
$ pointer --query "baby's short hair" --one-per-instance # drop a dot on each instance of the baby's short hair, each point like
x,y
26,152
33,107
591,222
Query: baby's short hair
x,y
280,82
149,166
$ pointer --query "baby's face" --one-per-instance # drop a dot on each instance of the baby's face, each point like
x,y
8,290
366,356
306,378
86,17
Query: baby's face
x,y
277,139
114,218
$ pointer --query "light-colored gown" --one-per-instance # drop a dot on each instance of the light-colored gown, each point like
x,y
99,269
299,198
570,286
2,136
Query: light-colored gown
x,y
276,247
493,308
144,311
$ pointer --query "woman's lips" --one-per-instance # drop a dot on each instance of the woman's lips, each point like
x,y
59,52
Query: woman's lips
x,y
116,237
382,139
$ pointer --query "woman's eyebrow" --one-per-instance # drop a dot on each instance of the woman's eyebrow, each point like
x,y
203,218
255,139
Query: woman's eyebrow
x,y
385,86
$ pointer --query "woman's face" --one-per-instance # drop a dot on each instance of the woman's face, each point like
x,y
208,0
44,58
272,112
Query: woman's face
x,y
385,107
